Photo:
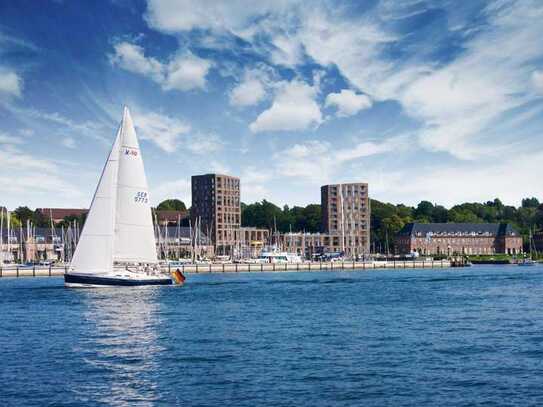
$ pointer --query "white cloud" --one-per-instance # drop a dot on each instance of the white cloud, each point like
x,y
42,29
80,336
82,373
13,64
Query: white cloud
x,y
486,181
460,103
248,92
319,161
537,78
162,130
369,148
347,102
27,132
130,57
294,108
38,119
183,15
170,134
180,189
219,167
352,45
287,51
7,139
200,143
311,161
255,183
184,72
38,179
11,84
68,142
255,175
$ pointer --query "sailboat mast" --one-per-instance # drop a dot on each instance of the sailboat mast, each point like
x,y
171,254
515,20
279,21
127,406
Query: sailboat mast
x,y
342,218
20,242
1,236
178,231
9,236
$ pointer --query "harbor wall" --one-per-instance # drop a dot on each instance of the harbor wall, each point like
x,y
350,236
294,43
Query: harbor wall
x,y
44,271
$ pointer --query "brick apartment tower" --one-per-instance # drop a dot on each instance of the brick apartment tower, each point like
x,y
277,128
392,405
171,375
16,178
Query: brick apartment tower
x,y
216,203
346,215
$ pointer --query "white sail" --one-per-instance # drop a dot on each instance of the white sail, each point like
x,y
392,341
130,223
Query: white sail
x,y
134,234
94,251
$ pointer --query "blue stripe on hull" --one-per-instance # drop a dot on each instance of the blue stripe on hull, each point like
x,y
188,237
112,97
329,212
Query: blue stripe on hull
x,y
90,280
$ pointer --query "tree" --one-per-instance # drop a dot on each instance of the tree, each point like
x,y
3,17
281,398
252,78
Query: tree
x,y
530,203
313,218
266,215
69,220
39,220
13,220
424,210
459,215
440,214
172,205
24,213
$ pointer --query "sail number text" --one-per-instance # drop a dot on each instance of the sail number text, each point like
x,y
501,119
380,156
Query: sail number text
x,y
128,151
141,197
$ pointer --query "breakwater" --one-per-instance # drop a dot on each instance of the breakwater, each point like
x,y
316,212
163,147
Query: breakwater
x,y
49,271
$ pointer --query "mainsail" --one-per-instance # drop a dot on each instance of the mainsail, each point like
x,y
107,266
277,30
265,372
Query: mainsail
x,y
94,251
134,234
119,226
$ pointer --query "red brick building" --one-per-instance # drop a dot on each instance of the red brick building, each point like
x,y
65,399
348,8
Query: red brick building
x,y
58,214
458,238
170,218
346,218
216,206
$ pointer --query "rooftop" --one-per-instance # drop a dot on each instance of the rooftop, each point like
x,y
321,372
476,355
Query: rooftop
x,y
492,229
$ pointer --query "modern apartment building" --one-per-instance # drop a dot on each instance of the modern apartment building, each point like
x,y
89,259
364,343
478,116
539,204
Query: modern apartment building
x,y
216,210
346,217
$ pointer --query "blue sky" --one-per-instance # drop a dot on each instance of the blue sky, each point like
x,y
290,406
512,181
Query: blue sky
x,y
436,100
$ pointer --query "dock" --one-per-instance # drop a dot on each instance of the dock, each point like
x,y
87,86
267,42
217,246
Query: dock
x,y
51,271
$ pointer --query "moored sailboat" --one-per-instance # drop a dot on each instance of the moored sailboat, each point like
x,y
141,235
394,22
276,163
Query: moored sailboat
x,y
117,244
529,261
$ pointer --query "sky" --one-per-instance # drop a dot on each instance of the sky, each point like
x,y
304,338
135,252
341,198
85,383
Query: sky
x,y
423,100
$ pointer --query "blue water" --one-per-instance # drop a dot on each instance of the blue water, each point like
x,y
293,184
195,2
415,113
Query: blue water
x,y
377,338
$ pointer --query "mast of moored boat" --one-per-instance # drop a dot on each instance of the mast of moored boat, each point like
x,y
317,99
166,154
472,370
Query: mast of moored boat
x,y
1,236
9,235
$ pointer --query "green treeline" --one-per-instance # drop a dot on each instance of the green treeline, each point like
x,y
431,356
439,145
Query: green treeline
x,y
269,216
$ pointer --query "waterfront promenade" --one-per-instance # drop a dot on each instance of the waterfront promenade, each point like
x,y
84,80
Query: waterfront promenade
x,y
49,271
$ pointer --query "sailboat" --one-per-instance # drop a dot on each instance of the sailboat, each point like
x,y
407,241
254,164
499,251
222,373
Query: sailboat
x,y
117,244
529,261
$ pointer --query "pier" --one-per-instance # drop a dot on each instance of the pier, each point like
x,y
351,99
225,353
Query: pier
x,y
50,271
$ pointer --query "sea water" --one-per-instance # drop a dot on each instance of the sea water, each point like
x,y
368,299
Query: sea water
x,y
460,337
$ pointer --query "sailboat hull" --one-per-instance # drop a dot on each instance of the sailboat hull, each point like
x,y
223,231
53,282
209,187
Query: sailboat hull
x,y
81,281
